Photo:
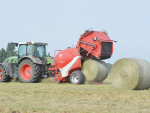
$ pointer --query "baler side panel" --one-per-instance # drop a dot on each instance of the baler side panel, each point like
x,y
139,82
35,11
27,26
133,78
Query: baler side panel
x,y
76,66
92,47
65,70
68,60
63,58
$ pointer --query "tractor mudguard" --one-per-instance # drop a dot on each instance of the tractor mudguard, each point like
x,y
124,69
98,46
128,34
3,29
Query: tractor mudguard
x,y
6,68
10,69
34,59
13,69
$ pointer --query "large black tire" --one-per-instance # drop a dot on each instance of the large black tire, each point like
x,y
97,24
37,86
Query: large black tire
x,y
29,72
77,77
4,77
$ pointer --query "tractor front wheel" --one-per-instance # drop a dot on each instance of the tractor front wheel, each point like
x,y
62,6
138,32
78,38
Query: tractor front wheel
x,y
3,76
28,72
77,77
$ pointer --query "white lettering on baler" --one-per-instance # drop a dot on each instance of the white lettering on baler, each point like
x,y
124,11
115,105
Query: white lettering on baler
x,y
62,61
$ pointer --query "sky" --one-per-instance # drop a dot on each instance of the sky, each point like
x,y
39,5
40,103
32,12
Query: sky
x,y
61,22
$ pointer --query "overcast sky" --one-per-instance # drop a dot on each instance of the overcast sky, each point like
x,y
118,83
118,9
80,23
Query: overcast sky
x,y
61,22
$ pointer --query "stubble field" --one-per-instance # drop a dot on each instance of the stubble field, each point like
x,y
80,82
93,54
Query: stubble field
x,y
69,98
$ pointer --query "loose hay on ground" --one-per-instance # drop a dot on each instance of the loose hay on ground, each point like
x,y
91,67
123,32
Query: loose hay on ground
x,y
14,80
42,80
47,80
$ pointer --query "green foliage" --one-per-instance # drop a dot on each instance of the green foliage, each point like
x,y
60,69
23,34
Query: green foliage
x,y
10,50
3,54
109,66
7,53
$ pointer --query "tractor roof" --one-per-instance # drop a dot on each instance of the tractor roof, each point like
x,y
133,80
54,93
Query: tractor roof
x,y
39,43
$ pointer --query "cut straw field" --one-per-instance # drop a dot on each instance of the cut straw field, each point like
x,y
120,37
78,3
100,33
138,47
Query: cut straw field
x,y
68,98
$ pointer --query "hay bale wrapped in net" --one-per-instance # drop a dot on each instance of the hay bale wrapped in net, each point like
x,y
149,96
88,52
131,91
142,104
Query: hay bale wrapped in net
x,y
95,70
131,73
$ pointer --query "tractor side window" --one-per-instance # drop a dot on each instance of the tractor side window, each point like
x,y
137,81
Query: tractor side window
x,y
29,50
22,50
39,50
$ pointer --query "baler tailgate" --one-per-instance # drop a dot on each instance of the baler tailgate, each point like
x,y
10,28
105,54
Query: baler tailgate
x,y
106,47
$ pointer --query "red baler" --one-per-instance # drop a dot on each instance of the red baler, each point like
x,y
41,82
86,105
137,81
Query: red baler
x,y
91,45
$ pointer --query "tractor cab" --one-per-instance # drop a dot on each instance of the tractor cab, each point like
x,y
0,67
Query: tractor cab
x,y
29,64
36,49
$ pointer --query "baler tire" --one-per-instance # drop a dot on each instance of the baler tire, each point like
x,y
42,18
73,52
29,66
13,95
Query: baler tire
x,y
58,81
4,77
77,77
29,72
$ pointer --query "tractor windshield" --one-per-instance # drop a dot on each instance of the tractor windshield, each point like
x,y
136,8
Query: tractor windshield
x,y
39,50
35,50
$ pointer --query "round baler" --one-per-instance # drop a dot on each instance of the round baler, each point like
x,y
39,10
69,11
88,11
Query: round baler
x,y
94,45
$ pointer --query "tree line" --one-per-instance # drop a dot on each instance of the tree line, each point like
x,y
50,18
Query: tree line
x,y
109,66
5,53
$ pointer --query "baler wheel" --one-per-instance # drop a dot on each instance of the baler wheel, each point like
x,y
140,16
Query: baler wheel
x,y
77,77
3,76
58,81
29,72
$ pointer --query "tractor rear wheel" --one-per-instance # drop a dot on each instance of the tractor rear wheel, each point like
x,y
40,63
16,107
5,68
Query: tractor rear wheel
x,y
3,76
28,72
77,77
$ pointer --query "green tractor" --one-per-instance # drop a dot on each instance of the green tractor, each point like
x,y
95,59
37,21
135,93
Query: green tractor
x,y
29,65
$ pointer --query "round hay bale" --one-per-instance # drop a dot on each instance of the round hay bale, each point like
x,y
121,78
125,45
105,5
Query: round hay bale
x,y
95,70
131,73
